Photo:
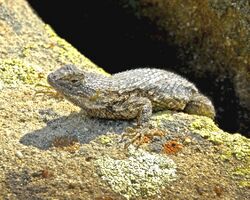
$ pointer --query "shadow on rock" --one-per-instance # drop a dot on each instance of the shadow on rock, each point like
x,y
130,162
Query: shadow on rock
x,y
77,126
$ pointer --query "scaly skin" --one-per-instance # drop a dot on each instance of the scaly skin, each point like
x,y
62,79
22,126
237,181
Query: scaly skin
x,y
129,94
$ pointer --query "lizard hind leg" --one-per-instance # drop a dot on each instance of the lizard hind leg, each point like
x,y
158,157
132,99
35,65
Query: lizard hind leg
x,y
134,107
200,105
144,110
144,113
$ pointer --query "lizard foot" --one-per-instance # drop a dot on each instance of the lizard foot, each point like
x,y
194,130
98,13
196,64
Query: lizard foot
x,y
139,136
48,91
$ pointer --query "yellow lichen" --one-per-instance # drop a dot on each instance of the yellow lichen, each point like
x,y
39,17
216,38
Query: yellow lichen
x,y
105,140
14,71
237,145
159,117
232,146
244,174
204,125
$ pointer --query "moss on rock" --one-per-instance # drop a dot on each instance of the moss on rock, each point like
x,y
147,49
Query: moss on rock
x,y
235,144
14,71
142,174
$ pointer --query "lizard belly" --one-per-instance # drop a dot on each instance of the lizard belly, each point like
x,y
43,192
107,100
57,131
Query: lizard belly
x,y
110,114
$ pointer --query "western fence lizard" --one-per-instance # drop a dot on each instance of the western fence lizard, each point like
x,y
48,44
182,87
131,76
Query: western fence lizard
x,y
129,94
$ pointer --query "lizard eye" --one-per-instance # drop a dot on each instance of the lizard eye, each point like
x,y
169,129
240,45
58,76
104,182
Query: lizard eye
x,y
73,80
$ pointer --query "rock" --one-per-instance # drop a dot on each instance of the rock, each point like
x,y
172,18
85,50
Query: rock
x,y
65,157
19,154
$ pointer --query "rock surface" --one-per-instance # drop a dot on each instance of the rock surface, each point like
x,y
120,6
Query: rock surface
x,y
51,150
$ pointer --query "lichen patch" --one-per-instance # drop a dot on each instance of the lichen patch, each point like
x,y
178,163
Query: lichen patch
x,y
142,173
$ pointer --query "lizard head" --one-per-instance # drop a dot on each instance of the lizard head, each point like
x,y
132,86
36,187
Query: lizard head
x,y
77,85
65,77
200,105
66,80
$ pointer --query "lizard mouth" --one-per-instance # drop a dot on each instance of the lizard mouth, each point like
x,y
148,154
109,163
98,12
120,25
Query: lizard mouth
x,y
52,80
58,84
